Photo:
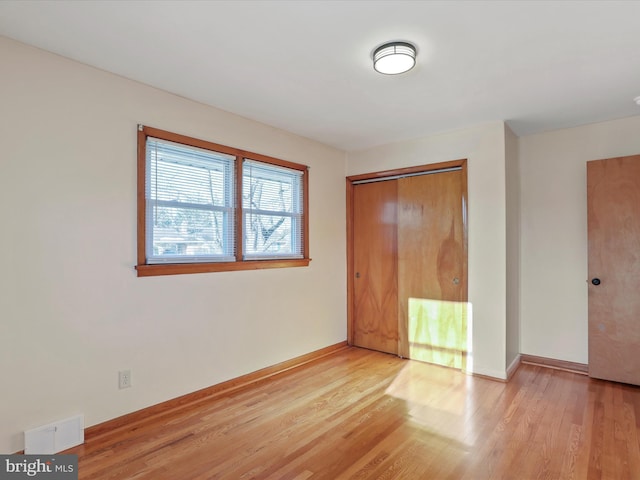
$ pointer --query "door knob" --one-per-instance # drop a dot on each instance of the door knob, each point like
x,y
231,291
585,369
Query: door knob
x,y
456,281
596,281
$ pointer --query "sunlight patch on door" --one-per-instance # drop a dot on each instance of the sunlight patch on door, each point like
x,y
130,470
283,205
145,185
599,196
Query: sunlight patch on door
x,y
438,332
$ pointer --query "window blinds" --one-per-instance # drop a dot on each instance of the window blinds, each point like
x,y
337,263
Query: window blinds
x,y
272,202
190,212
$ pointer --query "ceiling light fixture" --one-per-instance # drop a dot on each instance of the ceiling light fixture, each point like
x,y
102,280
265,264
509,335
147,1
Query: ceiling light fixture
x,y
394,57
637,100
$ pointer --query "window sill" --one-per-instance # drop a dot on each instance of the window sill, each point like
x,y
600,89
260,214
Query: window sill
x,y
184,268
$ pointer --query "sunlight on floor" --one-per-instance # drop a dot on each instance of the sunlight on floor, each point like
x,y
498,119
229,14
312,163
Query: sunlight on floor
x,y
446,406
440,333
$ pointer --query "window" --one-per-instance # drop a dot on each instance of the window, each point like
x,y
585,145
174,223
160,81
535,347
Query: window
x,y
204,207
272,208
189,196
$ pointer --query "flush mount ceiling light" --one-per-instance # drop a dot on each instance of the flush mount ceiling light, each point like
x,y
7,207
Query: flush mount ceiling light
x,y
394,57
637,100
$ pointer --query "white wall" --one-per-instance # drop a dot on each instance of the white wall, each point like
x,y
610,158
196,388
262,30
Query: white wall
x,y
512,172
484,147
72,310
554,232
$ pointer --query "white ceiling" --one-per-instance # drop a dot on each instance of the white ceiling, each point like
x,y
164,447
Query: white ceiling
x,y
305,66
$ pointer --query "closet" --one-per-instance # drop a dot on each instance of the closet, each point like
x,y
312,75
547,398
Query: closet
x,y
407,262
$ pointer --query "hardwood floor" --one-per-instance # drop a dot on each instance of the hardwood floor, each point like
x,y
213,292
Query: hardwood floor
x,y
360,414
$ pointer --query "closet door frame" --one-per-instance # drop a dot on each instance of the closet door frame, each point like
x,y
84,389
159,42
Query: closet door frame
x,y
385,175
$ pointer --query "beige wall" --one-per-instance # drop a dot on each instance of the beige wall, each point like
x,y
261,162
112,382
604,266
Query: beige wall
x,y
72,310
554,232
512,172
484,147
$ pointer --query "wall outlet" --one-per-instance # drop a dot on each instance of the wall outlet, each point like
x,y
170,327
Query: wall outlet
x,y
124,379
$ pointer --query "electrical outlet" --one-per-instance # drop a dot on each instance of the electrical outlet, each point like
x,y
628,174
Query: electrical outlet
x,y
124,379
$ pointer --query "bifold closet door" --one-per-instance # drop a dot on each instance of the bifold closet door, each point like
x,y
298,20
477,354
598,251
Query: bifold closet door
x,y
613,212
375,263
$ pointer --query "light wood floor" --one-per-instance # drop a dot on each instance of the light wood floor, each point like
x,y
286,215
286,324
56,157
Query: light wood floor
x,y
360,414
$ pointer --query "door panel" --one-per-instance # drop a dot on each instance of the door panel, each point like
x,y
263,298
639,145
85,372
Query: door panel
x,y
375,313
613,204
431,274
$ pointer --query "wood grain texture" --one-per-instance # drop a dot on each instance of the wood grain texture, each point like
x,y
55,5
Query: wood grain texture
x,y
351,269
613,201
223,388
141,197
360,414
186,268
375,264
376,176
407,170
431,274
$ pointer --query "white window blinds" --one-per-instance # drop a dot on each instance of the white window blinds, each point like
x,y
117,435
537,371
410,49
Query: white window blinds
x,y
190,212
272,201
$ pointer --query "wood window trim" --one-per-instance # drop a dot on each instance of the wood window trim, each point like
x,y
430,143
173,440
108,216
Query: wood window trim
x,y
145,270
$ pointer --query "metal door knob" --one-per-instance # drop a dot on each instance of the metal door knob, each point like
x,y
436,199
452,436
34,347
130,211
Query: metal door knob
x,y
596,281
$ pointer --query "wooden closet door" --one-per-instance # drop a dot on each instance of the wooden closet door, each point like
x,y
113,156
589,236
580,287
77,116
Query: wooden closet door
x,y
613,206
432,279
375,323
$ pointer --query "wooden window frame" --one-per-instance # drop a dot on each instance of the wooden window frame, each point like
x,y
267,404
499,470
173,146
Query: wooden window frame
x,y
145,269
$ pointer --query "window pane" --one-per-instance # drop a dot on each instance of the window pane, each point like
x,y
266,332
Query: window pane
x,y
187,183
271,235
188,174
190,199
184,232
272,201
